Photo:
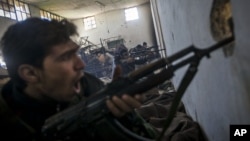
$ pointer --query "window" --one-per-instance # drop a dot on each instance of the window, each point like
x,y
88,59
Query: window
x,y
22,10
14,9
47,15
89,23
131,14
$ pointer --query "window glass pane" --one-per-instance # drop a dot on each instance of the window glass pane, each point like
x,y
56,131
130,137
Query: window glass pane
x,y
13,15
41,13
11,2
18,8
27,8
131,14
5,7
1,12
7,14
16,3
12,9
19,16
89,23
48,15
24,16
22,7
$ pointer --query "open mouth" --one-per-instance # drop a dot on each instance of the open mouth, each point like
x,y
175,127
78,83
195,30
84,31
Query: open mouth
x,y
77,87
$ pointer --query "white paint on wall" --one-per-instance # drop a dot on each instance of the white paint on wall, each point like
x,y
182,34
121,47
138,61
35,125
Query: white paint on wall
x,y
219,94
113,24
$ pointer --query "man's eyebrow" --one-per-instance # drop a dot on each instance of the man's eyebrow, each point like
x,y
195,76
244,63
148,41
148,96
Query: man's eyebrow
x,y
71,51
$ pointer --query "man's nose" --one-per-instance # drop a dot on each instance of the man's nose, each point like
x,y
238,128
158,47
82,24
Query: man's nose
x,y
79,63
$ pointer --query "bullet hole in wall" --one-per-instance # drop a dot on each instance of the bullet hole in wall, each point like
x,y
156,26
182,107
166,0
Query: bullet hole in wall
x,y
221,22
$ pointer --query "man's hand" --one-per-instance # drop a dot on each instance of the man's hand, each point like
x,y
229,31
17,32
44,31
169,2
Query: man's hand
x,y
119,106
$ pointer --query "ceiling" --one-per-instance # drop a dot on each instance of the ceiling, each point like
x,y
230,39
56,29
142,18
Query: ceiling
x,y
74,9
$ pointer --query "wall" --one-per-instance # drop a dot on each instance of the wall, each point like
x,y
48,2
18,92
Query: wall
x,y
113,24
109,25
4,24
219,95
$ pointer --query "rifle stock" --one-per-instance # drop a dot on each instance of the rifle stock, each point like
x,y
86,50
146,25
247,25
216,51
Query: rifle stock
x,y
87,112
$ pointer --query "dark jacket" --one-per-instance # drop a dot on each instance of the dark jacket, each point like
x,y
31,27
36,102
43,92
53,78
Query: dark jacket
x,y
22,118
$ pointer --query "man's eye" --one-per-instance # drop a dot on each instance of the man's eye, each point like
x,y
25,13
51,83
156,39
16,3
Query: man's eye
x,y
66,57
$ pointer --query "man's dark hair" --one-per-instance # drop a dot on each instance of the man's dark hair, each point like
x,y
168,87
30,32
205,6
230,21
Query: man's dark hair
x,y
29,41
144,43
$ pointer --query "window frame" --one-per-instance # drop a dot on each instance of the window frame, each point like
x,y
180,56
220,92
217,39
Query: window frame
x,y
14,9
89,23
131,14
49,16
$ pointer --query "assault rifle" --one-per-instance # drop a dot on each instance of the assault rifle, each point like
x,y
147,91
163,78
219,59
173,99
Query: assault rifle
x,y
91,115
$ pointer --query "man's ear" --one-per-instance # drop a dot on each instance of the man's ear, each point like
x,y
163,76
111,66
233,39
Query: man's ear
x,y
28,73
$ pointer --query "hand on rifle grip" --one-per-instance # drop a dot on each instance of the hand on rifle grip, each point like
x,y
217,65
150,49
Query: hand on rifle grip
x,y
119,106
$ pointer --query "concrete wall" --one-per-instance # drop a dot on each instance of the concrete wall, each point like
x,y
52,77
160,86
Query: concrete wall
x,y
113,24
109,25
219,95
4,24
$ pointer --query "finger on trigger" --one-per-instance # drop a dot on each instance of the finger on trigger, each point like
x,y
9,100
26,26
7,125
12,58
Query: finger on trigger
x,y
114,110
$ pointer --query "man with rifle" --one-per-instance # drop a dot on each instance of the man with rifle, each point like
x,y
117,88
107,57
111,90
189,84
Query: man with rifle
x,y
49,97
46,74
